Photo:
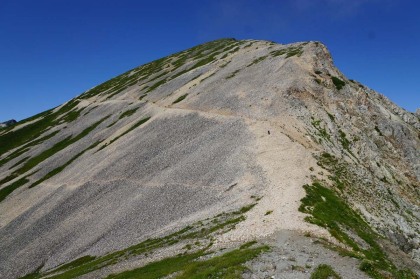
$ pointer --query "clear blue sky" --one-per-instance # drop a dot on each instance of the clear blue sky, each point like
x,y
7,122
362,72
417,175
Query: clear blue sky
x,y
53,50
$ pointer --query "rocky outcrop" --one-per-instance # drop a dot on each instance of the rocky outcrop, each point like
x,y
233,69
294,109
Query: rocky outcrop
x,y
8,123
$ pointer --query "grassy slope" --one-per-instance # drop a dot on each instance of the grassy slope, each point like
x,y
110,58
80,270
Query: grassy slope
x,y
196,261
327,209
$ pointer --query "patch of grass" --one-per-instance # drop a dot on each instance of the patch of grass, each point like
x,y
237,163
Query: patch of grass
x,y
324,271
24,135
344,141
268,212
180,98
71,115
5,191
258,60
33,275
245,208
322,131
337,169
212,74
128,113
14,155
292,51
224,65
378,131
338,82
61,168
332,118
195,77
34,161
203,62
26,147
19,162
75,263
158,68
156,85
278,52
329,210
139,123
233,74
190,265
228,265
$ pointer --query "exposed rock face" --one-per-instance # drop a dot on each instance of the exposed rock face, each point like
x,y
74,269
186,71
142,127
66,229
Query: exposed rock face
x,y
198,133
8,123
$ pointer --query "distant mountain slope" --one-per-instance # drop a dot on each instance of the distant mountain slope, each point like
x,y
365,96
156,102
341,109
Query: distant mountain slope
x,y
214,144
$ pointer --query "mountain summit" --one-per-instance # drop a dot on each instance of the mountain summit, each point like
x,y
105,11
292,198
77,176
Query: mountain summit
x,y
232,158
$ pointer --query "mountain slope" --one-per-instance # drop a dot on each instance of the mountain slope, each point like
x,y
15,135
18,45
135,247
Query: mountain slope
x,y
208,130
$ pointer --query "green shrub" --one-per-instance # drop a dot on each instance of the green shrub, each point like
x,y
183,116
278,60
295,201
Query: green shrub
x,y
180,98
366,266
128,113
324,271
338,82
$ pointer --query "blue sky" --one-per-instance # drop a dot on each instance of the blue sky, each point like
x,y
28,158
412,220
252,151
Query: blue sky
x,y
53,50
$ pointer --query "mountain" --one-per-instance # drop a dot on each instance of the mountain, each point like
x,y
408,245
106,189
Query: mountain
x,y
8,123
232,158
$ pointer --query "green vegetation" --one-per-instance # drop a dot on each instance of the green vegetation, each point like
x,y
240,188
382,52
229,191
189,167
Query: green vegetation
x,y
156,70
128,113
14,155
24,135
75,263
290,51
248,45
324,271
321,131
329,210
228,265
59,169
23,149
180,98
294,51
344,141
212,74
71,115
268,212
139,123
338,82
232,74
33,275
378,131
198,261
205,54
19,162
34,161
338,169
279,52
258,60
156,85
5,191
332,118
